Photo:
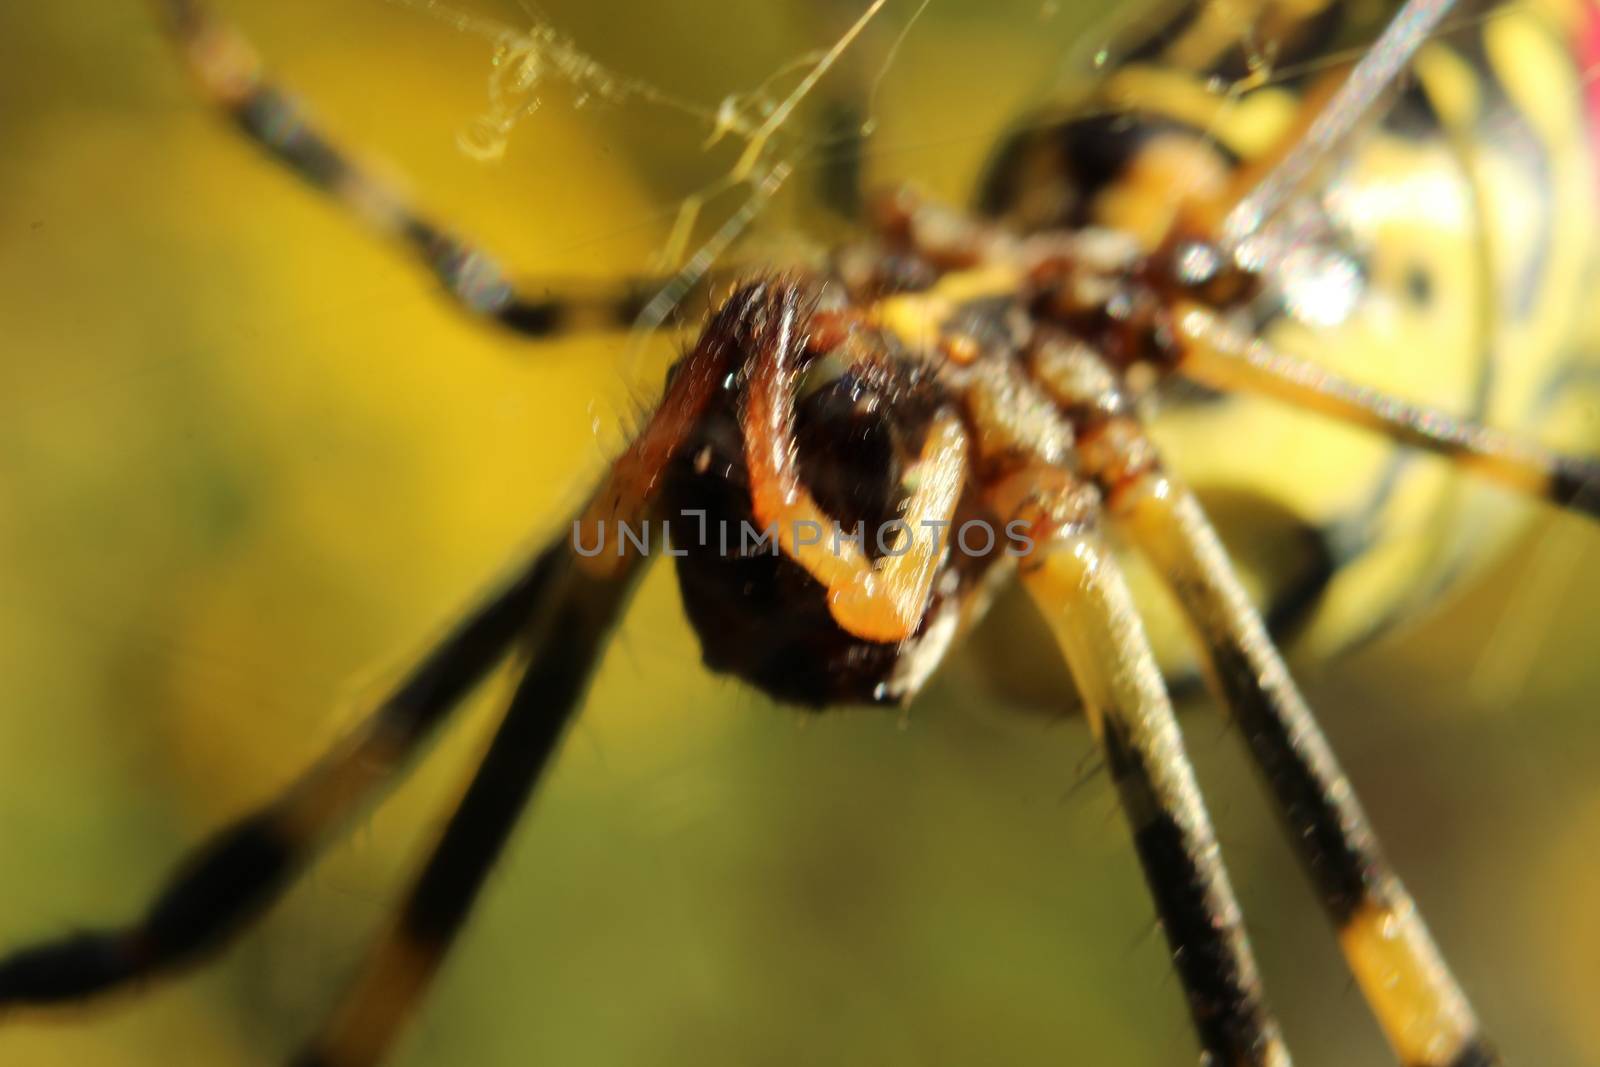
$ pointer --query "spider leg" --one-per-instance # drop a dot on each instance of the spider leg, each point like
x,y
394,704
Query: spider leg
x,y
1077,585
233,878
1212,353
566,645
227,882
231,77
1422,1010
1301,153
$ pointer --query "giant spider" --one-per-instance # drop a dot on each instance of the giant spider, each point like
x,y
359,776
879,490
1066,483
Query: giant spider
x,y
995,378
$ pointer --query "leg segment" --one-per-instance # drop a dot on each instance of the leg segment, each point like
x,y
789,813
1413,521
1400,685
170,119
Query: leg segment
x,y
1423,1011
1077,585
1215,355
230,880
233,878
566,645
231,77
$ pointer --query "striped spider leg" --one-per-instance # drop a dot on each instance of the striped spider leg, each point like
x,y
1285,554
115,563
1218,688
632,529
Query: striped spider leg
x,y
554,615
1210,351
230,76
232,79
1075,581
1423,1012
227,882
1420,1007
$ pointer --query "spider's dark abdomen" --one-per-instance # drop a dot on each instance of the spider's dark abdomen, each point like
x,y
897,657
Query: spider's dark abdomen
x,y
759,615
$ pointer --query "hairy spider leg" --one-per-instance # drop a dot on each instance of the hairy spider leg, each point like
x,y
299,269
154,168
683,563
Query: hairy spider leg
x,y
563,648
232,879
226,883
1077,586
1421,1008
1419,1005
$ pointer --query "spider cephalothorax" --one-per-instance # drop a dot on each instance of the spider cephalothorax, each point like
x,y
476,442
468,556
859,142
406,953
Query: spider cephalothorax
x,y
1011,351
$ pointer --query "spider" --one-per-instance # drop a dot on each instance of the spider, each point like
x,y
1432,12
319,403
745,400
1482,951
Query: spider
x,y
985,375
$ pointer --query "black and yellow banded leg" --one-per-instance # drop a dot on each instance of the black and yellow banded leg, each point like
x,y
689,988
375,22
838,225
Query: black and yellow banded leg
x,y
235,876
1081,592
564,604
1422,1010
1215,354
564,647
231,77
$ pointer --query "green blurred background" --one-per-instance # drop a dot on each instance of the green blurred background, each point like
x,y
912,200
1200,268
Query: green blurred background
x,y
250,464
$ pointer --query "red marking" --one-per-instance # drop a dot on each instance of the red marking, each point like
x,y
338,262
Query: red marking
x,y
1586,50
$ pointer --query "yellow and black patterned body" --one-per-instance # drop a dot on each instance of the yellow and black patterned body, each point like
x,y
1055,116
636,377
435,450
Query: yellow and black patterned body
x,y
1449,261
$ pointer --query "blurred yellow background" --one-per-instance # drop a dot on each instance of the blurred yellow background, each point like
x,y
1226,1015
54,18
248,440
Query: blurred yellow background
x,y
250,463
